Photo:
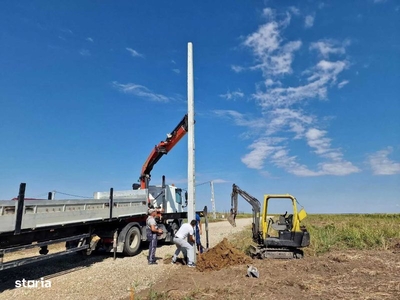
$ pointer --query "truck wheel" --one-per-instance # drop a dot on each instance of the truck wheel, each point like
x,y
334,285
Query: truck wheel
x,y
132,241
174,228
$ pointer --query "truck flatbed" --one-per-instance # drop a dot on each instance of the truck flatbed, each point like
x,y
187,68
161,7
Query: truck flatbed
x,y
48,213
110,221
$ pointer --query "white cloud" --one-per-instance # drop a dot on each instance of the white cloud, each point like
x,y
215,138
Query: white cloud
x,y
283,118
286,119
322,145
134,53
309,21
272,57
173,62
282,160
267,148
260,150
324,73
140,91
233,95
89,39
84,52
241,119
67,31
271,149
329,46
237,69
343,83
280,119
177,71
219,180
265,40
294,10
338,168
381,164
268,12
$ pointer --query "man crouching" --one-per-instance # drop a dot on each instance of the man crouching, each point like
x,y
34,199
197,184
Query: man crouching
x,y
184,240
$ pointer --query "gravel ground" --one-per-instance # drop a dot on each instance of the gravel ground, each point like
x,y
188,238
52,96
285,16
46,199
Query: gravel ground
x,y
101,277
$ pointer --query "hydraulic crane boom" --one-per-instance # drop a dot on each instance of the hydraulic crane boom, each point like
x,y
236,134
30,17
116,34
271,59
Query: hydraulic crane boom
x,y
256,205
162,148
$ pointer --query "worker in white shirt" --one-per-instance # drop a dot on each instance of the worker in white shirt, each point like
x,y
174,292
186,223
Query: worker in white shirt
x,y
184,240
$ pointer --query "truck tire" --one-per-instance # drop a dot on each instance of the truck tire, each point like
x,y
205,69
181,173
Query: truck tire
x,y
174,228
132,241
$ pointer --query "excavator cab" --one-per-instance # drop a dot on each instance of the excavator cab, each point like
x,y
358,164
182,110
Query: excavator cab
x,y
284,222
290,234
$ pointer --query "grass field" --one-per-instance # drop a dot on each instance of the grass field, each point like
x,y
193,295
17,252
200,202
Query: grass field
x,y
343,232
359,232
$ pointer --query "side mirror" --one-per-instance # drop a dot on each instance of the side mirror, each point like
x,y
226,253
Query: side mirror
x,y
186,196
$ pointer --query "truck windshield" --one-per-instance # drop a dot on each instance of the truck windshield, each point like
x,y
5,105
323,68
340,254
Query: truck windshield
x,y
178,196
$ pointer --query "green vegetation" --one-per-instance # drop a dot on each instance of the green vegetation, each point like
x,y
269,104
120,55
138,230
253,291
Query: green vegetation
x,y
353,231
243,240
341,232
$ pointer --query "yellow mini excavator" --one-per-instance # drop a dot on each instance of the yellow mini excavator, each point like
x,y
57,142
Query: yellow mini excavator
x,y
291,236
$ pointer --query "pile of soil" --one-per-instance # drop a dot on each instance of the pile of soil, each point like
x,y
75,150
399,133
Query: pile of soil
x,y
221,256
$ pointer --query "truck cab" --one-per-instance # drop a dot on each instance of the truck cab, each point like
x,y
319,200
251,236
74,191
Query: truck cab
x,y
169,198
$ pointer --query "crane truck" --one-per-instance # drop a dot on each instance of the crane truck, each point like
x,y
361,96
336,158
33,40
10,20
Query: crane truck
x,y
113,221
291,235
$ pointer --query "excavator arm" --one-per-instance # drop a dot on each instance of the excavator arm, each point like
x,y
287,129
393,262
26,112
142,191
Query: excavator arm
x,y
255,204
161,149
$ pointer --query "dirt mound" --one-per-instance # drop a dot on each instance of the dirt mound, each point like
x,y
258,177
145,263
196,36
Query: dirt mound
x,y
221,256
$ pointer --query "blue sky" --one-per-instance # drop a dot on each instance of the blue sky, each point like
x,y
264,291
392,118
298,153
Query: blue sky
x,y
297,99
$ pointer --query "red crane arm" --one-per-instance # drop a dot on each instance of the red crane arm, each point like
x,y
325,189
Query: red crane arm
x,y
162,148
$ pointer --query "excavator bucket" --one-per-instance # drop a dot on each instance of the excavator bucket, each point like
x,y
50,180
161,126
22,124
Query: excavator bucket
x,y
231,219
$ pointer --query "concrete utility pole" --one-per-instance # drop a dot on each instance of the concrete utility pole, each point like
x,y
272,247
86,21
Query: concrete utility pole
x,y
213,199
191,208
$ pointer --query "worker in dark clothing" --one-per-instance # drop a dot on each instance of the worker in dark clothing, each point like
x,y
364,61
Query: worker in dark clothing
x,y
152,231
199,232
